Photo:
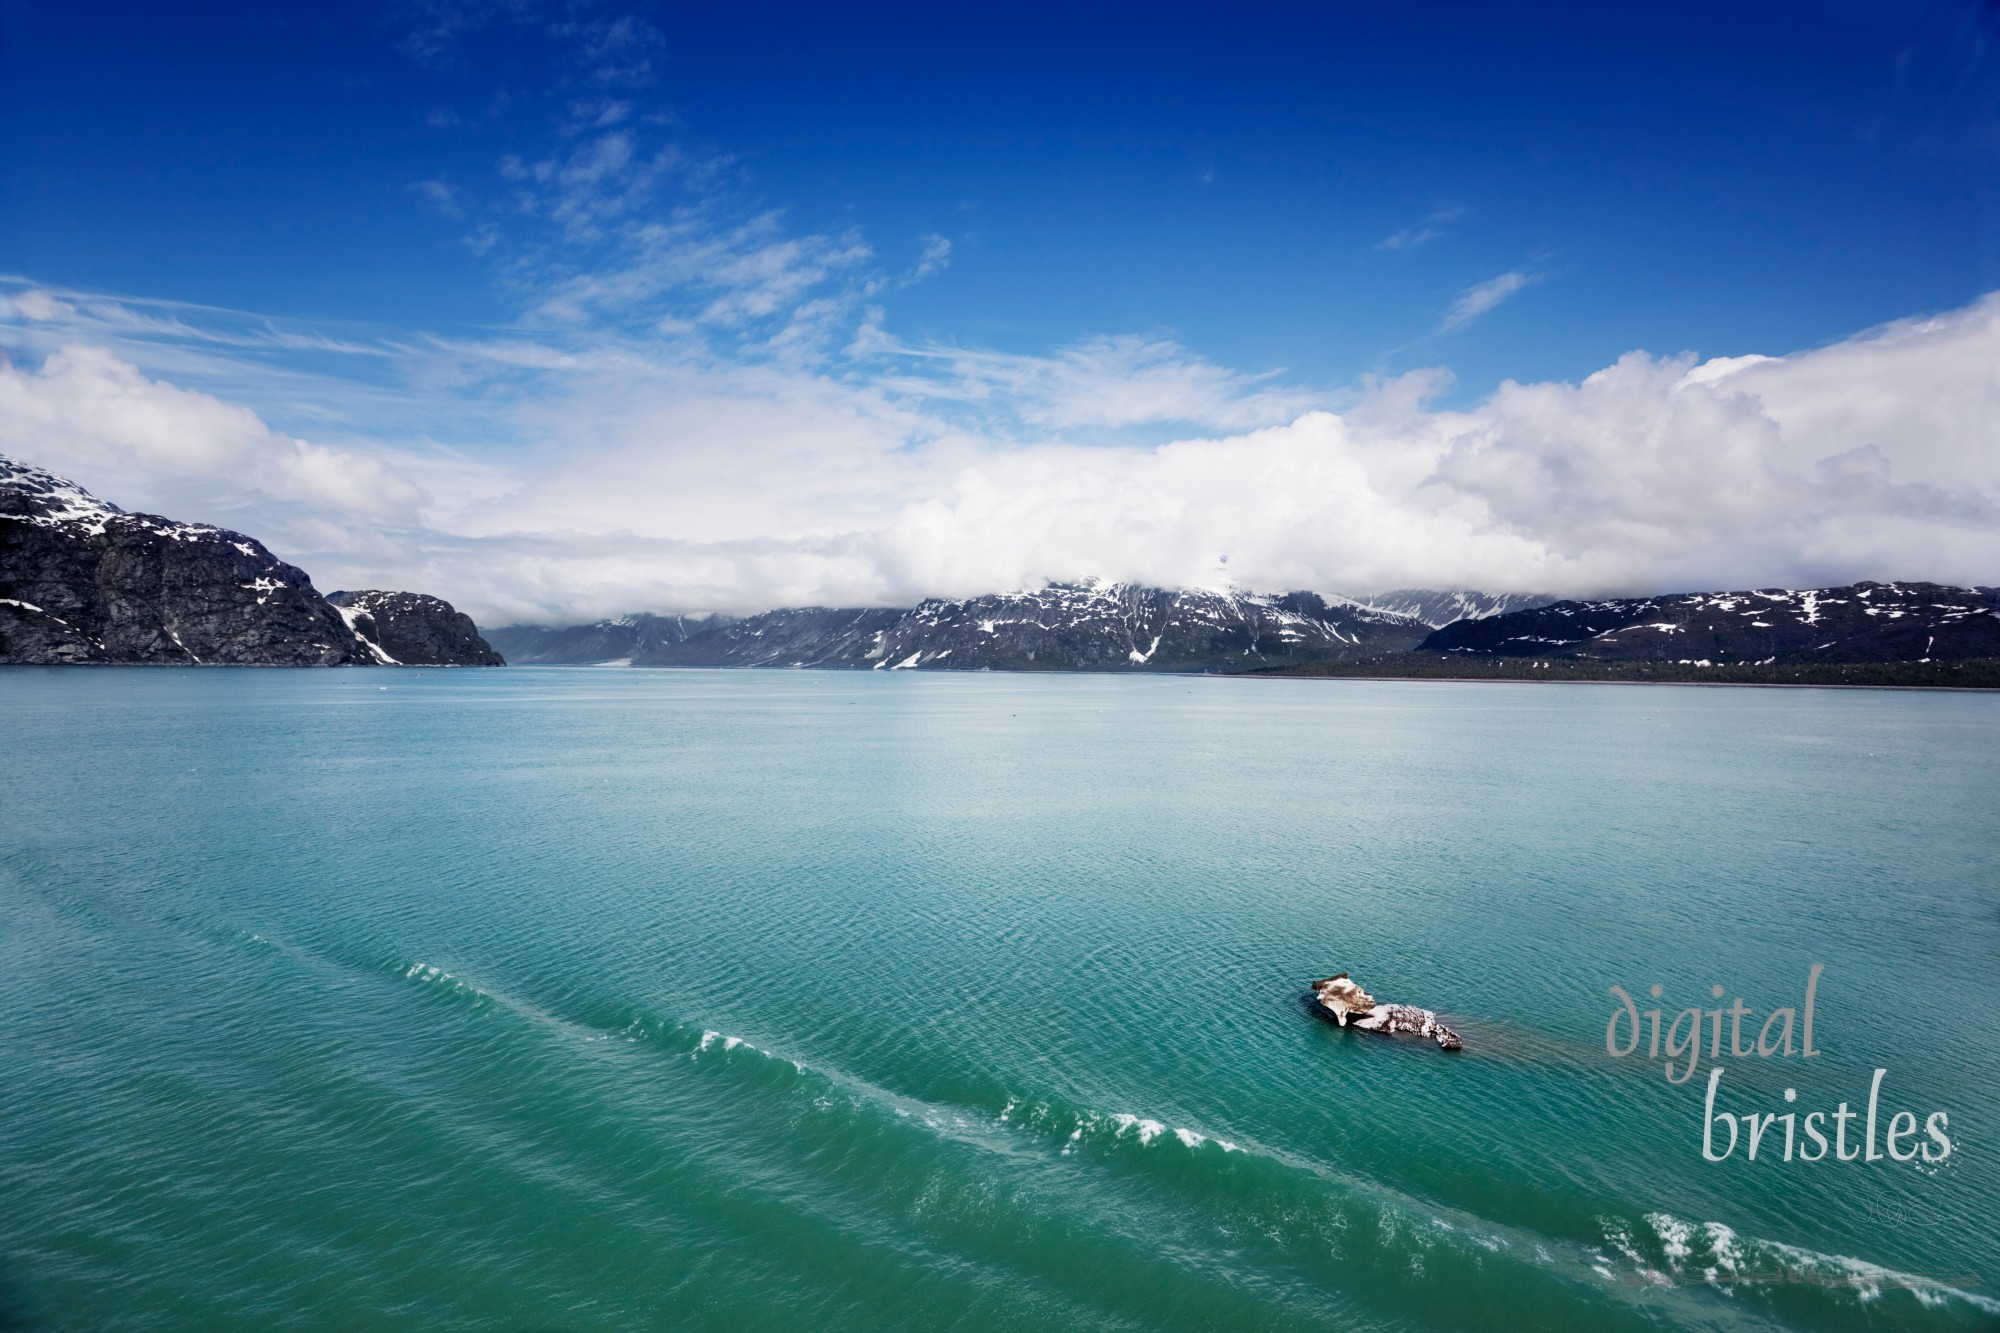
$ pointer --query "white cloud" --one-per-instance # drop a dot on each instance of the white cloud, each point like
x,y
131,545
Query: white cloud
x,y
1430,229
440,197
1106,383
1409,238
1482,297
38,307
935,258
89,414
612,474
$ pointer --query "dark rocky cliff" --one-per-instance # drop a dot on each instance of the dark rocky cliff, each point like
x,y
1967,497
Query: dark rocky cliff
x,y
82,581
414,629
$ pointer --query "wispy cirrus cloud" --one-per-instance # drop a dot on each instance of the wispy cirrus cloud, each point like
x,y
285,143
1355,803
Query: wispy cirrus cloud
x,y
1434,225
602,45
935,257
615,220
1483,297
440,196
1102,383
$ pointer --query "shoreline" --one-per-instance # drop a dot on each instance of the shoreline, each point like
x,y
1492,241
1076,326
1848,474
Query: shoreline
x,y
1319,673
1964,675
1283,674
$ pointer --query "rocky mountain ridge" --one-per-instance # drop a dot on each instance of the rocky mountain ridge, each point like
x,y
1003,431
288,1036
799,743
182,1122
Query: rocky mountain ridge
x,y
413,629
808,636
1088,625
1102,626
1440,608
613,642
83,581
1098,626
1861,622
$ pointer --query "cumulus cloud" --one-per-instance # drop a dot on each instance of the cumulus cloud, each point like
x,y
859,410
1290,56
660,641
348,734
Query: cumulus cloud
x,y
85,412
621,476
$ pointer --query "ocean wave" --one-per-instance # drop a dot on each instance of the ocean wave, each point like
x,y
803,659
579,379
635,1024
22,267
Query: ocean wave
x,y
711,1039
431,975
1077,1127
1716,1255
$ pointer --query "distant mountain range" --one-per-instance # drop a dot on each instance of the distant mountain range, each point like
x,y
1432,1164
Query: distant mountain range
x,y
1062,627
615,642
82,581
1086,626
1438,609
1863,622
1123,627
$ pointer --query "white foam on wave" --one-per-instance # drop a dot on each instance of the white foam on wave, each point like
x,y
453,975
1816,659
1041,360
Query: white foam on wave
x,y
1110,1128
710,1039
1675,1236
1620,1239
1728,1254
1148,1129
1715,1255
429,974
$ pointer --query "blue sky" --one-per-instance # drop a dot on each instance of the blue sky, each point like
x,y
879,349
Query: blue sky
x,y
959,217
1723,178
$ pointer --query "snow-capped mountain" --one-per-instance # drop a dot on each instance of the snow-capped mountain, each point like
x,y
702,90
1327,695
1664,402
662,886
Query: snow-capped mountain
x,y
1061,627
1864,622
81,580
1438,609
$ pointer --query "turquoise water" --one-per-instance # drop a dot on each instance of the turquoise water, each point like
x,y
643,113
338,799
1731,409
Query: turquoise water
x,y
735,1000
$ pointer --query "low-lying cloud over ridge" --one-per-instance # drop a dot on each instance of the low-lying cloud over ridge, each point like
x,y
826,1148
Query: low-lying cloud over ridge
x,y
613,475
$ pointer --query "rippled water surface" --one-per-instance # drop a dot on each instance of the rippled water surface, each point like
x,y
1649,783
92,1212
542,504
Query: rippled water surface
x,y
735,1000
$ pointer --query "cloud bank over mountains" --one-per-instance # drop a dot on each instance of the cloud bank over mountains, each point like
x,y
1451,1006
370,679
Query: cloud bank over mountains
x,y
593,473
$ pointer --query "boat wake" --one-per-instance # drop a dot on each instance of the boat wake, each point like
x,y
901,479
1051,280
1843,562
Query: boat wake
x,y
1333,1229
